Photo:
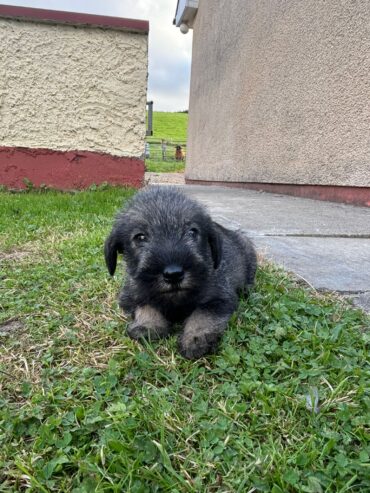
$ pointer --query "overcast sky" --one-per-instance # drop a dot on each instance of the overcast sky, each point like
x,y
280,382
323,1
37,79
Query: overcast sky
x,y
169,50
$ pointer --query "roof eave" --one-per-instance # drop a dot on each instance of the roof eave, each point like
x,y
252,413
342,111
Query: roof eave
x,y
186,12
74,18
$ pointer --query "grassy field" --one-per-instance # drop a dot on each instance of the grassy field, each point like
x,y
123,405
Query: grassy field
x,y
281,408
170,127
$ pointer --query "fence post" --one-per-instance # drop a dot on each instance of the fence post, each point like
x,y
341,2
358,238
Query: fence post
x,y
149,130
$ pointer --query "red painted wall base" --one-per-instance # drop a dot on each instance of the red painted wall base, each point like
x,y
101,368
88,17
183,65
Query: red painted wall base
x,y
347,195
66,170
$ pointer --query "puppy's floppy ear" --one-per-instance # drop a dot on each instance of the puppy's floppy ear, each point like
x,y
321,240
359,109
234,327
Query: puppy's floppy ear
x,y
215,242
112,247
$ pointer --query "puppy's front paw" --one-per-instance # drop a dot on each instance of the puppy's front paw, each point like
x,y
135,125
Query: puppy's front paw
x,y
137,331
194,346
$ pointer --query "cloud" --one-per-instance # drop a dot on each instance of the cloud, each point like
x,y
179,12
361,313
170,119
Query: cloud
x,y
169,50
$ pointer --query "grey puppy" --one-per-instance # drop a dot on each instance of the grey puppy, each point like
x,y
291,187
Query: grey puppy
x,y
182,267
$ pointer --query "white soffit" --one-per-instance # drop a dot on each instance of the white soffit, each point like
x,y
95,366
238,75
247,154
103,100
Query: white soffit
x,y
186,12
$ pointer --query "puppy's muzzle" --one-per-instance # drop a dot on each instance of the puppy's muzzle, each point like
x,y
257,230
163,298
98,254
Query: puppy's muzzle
x,y
173,274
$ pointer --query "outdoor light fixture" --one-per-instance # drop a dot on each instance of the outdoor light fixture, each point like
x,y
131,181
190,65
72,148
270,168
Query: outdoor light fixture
x,y
186,12
184,28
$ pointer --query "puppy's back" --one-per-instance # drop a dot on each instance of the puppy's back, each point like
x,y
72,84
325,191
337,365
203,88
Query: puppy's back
x,y
239,259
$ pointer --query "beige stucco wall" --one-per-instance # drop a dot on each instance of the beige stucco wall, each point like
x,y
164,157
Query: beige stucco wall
x,y
280,92
64,87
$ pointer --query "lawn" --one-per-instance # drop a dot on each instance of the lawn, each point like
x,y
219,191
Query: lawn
x,y
281,408
171,127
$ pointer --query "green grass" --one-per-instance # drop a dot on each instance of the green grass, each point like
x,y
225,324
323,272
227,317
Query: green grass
x,y
170,127
85,409
164,166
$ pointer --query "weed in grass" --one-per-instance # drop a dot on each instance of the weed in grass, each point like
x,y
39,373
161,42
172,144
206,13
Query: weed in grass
x,y
283,406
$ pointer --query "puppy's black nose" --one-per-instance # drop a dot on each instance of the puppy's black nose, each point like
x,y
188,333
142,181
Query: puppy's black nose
x,y
173,274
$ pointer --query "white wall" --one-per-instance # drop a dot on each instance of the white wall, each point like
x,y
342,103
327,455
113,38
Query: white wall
x,y
280,92
64,87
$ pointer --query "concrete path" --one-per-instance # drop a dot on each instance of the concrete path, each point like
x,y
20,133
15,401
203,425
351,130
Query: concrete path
x,y
326,244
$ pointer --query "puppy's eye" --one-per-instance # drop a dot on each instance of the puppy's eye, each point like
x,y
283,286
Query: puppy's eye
x,y
193,232
140,238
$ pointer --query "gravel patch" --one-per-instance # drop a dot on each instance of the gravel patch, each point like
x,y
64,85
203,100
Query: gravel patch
x,y
164,178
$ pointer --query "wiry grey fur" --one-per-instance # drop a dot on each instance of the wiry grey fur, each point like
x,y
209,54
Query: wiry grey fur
x,y
182,267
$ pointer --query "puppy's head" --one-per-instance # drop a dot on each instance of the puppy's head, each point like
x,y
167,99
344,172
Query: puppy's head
x,y
168,241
